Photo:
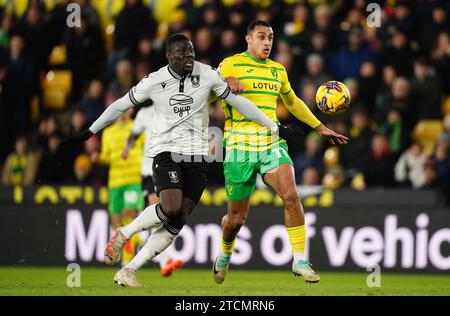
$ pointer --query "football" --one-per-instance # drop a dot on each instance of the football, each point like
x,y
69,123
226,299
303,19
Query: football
x,y
332,97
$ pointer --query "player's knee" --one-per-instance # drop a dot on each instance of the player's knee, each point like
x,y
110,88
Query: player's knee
x,y
237,221
173,211
291,198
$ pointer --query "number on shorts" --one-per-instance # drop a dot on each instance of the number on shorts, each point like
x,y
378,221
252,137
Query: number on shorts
x,y
280,152
130,197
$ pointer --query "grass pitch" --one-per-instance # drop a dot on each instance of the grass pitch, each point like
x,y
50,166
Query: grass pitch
x,y
186,282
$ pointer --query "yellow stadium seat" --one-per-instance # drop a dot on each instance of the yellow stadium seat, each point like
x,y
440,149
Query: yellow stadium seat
x,y
446,106
331,157
56,86
58,56
426,132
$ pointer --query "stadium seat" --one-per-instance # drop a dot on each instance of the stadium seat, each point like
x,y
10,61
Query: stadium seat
x,y
108,36
426,132
58,56
331,157
446,106
56,86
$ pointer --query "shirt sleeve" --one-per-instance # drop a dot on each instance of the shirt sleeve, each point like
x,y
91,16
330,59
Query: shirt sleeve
x,y
141,92
225,68
139,124
285,84
219,85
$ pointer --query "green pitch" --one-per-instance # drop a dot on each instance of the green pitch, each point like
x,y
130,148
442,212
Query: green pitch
x,y
98,281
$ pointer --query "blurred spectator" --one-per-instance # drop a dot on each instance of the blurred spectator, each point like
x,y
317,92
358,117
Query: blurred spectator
x,y
356,154
347,62
437,22
90,13
393,129
230,44
335,178
310,176
82,170
23,78
312,157
367,85
78,124
442,158
426,91
190,12
320,45
379,170
399,54
55,165
93,103
401,101
315,74
6,26
32,28
440,55
212,19
323,18
204,47
122,83
384,92
431,175
21,165
133,23
402,19
57,23
6,109
47,127
409,169
85,55
147,52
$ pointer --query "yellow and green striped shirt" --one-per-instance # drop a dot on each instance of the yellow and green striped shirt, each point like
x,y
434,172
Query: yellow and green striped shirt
x,y
121,172
263,82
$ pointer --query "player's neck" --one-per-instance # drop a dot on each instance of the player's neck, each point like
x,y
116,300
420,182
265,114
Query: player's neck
x,y
179,72
254,57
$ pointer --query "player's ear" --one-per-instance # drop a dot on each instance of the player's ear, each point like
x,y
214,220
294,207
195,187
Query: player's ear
x,y
248,38
167,55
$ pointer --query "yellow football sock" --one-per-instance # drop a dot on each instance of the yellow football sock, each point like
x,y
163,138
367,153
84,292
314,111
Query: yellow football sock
x,y
228,246
297,237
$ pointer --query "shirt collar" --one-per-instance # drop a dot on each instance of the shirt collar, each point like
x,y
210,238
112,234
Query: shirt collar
x,y
177,76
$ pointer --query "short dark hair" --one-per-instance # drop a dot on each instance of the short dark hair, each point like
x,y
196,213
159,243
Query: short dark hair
x,y
255,23
175,38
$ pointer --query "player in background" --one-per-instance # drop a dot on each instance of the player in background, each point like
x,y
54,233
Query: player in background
x,y
180,93
124,178
143,123
262,81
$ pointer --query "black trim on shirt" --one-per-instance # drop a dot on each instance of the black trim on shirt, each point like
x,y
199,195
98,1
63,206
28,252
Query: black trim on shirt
x,y
225,93
132,98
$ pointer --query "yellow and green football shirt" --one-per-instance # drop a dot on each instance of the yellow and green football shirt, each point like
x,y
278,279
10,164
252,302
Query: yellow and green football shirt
x,y
121,172
263,82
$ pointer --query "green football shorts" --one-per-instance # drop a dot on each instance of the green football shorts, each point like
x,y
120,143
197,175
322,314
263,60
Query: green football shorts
x,y
126,197
241,167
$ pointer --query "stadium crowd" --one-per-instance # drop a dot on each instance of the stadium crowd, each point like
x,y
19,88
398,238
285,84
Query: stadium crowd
x,y
398,75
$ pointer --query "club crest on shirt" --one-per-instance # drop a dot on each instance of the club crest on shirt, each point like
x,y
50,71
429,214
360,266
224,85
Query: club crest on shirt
x,y
274,73
195,81
173,175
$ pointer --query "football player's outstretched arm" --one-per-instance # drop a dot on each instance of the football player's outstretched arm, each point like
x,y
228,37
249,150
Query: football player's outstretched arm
x,y
112,113
116,109
251,111
301,111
